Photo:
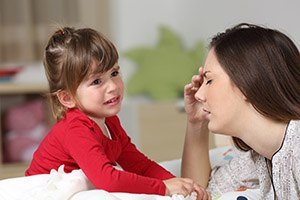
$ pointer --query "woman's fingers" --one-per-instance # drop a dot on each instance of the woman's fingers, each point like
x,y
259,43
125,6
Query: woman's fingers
x,y
196,80
202,194
189,185
188,88
182,186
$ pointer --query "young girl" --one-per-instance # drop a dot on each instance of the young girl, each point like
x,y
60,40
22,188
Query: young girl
x,y
86,91
249,89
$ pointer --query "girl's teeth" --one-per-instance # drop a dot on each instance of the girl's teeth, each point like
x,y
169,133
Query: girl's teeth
x,y
112,100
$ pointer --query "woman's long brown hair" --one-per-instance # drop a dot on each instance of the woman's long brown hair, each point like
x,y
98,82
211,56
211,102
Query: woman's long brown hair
x,y
265,65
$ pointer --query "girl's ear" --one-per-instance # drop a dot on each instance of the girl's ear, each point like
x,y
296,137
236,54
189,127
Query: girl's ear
x,y
66,99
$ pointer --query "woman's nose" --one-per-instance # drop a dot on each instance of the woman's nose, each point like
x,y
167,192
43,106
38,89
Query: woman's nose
x,y
200,94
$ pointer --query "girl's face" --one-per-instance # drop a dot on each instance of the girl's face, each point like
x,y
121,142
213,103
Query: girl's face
x,y
100,95
223,102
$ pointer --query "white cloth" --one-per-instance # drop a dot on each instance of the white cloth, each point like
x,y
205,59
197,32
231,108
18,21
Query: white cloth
x,y
59,185
74,186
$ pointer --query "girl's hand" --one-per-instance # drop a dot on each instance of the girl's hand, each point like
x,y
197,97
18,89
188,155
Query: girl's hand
x,y
193,107
183,186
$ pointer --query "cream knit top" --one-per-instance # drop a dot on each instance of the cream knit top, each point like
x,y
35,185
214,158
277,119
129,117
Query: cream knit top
x,y
278,178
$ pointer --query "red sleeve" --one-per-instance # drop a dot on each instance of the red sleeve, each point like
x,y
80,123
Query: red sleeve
x,y
87,150
132,160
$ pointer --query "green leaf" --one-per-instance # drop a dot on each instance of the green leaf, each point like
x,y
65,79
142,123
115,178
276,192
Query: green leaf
x,y
163,70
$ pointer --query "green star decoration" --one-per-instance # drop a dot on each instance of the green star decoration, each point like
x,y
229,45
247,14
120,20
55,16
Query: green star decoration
x,y
163,70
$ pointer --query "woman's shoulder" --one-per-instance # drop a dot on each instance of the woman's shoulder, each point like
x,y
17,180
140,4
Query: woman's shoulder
x,y
292,135
294,126
290,147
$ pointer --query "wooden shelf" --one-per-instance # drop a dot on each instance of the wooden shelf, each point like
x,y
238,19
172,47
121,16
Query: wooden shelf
x,y
12,170
27,88
11,94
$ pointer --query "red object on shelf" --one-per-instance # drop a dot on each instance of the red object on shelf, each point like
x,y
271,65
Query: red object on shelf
x,y
9,71
6,73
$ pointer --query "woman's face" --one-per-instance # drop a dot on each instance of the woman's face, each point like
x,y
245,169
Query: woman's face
x,y
223,102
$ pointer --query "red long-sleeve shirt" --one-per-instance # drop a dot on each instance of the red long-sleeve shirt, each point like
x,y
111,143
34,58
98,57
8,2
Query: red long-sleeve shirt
x,y
77,142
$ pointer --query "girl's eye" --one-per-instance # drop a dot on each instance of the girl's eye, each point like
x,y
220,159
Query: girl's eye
x,y
115,73
208,82
96,82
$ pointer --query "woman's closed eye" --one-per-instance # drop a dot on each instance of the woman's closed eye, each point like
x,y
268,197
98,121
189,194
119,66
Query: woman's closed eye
x,y
208,82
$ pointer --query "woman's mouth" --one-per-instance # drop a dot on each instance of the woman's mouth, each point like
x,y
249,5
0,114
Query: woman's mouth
x,y
206,111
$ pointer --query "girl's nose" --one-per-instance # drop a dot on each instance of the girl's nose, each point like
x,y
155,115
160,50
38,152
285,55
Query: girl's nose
x,y
111,85
200,94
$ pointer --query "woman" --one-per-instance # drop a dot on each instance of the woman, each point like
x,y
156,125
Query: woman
x,y
249,89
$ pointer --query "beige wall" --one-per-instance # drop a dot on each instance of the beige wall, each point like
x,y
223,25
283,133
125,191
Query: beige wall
x,y
162,130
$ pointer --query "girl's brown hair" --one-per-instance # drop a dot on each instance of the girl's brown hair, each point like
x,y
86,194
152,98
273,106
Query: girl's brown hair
x,y
68,57
265,65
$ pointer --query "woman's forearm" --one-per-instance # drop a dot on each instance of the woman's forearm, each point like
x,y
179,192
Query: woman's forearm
x,y
195,159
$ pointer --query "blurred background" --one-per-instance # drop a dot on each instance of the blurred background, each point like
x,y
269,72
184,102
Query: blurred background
x,y
161,44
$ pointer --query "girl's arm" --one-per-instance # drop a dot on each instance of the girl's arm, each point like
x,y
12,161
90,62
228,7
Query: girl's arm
x,y
89,153
132,160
